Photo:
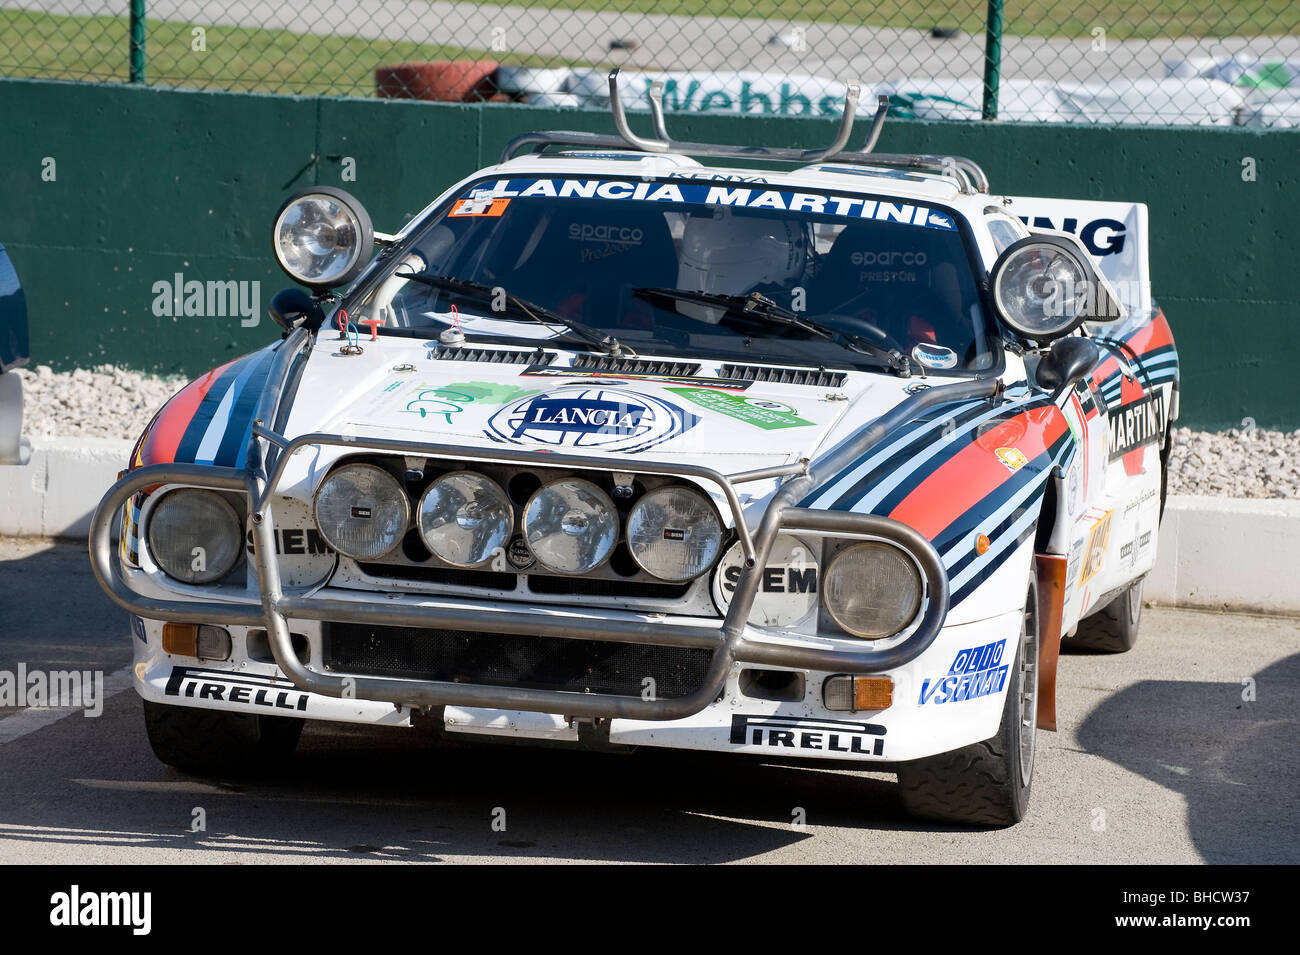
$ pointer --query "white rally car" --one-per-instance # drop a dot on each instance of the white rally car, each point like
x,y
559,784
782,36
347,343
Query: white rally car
x,y
611,447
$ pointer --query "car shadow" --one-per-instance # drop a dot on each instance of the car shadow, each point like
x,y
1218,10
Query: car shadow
x,y
1228,748
374,793
401,795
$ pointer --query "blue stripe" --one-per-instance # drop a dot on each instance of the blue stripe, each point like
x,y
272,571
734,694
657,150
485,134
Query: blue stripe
x,y
965,575
924,456
234,445
955,545
1146,361
1026,531
1159,377
198,426
887,495
967,556
1165,359
995,505
211,443
846,480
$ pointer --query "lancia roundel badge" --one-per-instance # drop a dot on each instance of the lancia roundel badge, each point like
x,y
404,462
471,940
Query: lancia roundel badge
x,y
589,418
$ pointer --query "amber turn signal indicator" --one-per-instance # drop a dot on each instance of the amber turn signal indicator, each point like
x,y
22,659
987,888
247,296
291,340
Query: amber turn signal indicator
x,y
196,640
873,693
181,639
854,693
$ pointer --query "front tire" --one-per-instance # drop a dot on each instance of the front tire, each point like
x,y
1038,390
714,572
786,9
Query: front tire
x,y
217,743
1113,628
987,783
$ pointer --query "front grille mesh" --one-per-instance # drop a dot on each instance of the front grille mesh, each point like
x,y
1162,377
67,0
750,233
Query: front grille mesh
x,y
638,366
492,356
815,377
499,659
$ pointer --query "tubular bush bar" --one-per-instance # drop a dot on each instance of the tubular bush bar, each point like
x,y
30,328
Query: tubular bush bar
x,y
272,608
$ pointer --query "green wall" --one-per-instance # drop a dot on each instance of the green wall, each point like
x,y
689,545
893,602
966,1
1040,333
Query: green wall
x,y
149,182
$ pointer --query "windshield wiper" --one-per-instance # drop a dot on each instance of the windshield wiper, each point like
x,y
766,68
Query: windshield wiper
x,y
534,312
760,308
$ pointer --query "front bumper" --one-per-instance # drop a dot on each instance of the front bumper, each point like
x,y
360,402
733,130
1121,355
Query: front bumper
x,y
918,724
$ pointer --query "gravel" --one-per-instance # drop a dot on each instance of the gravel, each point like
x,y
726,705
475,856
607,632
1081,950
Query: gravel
x,y
110,402
1235,463
102,402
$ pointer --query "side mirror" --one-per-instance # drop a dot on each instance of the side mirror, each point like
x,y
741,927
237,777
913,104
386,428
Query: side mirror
x,y
1069,360
292,307
1045,286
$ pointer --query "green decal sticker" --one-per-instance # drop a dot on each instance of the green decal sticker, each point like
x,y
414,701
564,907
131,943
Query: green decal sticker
x,y
490,393
760,412
447,400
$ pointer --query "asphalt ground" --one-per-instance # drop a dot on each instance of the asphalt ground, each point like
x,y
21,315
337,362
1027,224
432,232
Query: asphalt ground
x,y
1165,755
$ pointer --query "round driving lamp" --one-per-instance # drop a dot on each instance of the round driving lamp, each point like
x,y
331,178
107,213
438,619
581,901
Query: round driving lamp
x,y
1042,288
674,533
362,511
195,536
464,518
571,526
322,237
872,590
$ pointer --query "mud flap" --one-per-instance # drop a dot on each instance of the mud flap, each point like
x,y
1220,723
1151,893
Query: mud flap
x,y
1051,606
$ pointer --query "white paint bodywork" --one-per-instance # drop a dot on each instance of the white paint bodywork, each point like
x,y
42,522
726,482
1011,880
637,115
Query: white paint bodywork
x,y
381,393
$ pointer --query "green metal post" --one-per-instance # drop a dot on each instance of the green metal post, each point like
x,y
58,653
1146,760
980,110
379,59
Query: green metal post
x,y
137,41
992,59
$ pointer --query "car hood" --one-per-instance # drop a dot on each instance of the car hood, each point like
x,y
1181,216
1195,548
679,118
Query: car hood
x,y
398,389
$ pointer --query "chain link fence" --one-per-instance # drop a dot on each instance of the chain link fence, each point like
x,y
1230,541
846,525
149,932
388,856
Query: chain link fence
x,y
1160,62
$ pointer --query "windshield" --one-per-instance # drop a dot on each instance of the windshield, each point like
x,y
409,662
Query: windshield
x,y
630,259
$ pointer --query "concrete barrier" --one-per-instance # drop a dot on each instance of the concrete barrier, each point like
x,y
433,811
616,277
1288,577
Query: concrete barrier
x,y
55,492
1215,553
1228,553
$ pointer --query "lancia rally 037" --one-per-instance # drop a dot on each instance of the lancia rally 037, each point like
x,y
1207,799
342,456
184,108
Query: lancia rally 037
x,y
612,447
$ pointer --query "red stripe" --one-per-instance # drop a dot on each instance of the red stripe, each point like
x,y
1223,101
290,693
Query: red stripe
x,y
975,471
1130,392
1154,334
1161,333
165,436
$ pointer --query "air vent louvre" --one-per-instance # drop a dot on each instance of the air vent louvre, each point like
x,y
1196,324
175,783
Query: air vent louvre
x,y
786,376
640,366
493,356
